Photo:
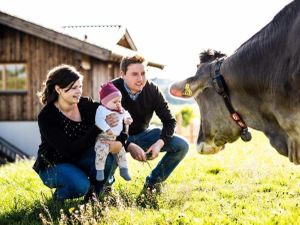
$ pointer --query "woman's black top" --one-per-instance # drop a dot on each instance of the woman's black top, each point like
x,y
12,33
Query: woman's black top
x,y
64,140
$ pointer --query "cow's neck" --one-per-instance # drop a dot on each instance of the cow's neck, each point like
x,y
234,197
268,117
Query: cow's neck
x,y
264,109
220,87
264,83
248,98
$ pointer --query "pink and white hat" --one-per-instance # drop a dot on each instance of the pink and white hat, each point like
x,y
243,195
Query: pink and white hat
x,y
107,92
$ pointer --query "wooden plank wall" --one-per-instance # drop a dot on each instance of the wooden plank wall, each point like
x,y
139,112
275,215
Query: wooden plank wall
x,y
40,56
101,74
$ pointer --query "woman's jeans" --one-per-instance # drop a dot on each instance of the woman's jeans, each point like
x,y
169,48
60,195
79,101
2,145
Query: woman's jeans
x,y
175,149
75,180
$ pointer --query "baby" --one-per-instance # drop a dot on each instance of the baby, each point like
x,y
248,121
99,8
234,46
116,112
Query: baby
x,y
110,98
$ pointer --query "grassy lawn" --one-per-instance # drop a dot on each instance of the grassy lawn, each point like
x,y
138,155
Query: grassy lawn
x,y
244,184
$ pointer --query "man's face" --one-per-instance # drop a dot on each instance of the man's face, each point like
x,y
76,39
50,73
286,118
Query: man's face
x,y
135,77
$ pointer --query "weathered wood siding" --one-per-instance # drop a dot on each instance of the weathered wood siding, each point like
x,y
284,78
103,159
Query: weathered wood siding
x,y
102,74
39,56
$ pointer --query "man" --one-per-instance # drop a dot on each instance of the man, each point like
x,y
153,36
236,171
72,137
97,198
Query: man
x,y
142,98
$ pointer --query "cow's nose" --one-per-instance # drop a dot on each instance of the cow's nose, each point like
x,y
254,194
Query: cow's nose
x,y
175,92
206,149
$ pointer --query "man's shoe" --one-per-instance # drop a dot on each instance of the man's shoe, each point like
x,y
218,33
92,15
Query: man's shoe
x,y
153,189
148,196
108,190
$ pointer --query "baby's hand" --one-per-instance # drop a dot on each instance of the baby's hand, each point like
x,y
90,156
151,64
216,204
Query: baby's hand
x,y
109,132
128,121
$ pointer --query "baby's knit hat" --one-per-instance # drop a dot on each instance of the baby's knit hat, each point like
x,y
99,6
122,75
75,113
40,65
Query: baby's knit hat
x,y
107,92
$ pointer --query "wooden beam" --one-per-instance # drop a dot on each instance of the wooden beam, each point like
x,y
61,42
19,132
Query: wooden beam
x,y
55,37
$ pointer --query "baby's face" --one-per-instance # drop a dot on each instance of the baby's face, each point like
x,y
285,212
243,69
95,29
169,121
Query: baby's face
x,y
115,103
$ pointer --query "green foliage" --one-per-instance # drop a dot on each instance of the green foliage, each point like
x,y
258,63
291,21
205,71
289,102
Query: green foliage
x,y
247,183
13,76
187,114
15,83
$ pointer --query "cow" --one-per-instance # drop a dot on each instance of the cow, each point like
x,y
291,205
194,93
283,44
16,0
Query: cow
x,y
257,86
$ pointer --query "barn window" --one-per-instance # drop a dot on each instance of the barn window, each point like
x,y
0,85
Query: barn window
x,y
13,77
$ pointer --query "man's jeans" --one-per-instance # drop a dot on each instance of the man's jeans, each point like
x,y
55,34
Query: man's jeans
x,y
175,149
75,180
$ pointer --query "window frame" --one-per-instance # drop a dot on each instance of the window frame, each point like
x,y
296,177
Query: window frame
x,y
13,91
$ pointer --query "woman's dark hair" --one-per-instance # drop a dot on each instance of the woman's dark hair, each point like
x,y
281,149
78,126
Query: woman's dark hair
x,y
63,76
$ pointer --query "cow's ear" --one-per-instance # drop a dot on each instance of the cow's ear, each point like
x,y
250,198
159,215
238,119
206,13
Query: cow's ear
x,y
219,55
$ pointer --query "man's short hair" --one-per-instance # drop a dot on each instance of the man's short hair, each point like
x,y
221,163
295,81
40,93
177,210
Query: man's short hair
x,y
128,60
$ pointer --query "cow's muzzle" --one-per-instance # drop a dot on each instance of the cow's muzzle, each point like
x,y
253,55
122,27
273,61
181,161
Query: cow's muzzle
x,y
206,149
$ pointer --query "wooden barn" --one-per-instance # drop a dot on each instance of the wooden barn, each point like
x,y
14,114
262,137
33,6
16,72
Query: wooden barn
x,y
28,51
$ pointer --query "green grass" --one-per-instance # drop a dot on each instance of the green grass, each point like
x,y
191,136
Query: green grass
x,y
244,184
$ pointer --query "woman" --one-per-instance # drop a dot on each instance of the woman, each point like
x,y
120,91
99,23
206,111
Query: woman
x,y
66,156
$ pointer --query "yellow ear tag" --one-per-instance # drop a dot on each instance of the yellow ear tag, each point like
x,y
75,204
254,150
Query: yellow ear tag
x,y
187,90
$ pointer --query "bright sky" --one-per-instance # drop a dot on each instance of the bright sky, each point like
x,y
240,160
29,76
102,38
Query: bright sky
x,y
171,32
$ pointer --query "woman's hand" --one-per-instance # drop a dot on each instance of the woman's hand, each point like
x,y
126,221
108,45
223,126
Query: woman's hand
x,y
114,146
112,119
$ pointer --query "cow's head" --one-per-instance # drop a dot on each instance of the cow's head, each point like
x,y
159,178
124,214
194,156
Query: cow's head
x,y
216,127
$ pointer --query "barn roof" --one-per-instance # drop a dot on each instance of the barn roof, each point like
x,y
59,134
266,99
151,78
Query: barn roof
x,y
107,36
105,42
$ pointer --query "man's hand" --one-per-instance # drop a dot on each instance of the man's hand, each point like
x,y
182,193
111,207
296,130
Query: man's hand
x,y
154,150
114,146
137,152
112,119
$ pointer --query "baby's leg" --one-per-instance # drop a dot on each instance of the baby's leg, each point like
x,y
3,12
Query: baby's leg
x,y
122,162
102,150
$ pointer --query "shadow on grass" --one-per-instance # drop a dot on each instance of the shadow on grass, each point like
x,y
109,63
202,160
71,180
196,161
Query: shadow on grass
x,y
47,211
40,212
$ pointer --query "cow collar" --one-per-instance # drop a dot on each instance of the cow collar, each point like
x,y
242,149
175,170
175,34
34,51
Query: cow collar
x,y
221,88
